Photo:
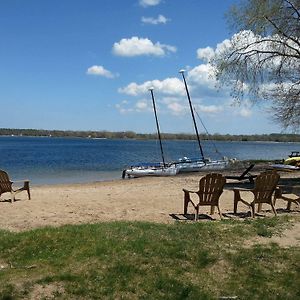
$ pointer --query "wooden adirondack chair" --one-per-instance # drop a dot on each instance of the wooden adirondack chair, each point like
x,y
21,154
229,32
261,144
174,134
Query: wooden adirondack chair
x,y
265,185
6,186
210,189
295,198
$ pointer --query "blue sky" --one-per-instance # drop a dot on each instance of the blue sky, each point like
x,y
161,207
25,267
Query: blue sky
x,y
87,65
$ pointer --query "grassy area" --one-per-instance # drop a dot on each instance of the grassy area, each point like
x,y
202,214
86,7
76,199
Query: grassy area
x,y
125,260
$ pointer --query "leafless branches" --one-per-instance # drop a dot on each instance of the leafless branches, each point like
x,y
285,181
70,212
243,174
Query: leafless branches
x,y
263,60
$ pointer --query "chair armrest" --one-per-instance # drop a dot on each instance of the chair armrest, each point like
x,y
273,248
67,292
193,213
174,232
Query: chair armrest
x,y
188,191
242,189
24,180
25,183
296,198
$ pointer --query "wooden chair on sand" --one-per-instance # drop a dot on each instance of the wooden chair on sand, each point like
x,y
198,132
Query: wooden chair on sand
x,y
290,199
210,189
6,186
265,185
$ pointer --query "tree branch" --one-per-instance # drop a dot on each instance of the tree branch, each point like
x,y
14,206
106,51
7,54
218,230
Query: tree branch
x,y
294,8
283,33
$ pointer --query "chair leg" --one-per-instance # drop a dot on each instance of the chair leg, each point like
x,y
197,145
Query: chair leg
x,y
290,201
235,206
273,208
212,209
277,195
13,197
196,213
186,201
259,207
253,209
28,192
220,212
236,199
26,187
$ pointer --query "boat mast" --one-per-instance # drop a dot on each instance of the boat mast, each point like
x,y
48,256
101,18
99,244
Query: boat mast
x,y
157,126
192,112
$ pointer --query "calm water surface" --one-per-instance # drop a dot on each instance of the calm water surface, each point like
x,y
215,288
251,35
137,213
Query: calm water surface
x,y
46,160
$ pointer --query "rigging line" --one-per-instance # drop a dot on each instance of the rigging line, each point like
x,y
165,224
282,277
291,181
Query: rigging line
x,y
216,149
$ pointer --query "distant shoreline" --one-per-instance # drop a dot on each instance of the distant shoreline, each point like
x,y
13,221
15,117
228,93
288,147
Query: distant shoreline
x,y
273,137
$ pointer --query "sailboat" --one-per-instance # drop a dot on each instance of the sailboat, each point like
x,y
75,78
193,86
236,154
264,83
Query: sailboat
x,y
152,169
186,164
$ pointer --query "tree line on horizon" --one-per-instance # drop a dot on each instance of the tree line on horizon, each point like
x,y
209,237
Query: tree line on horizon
x,y
273,137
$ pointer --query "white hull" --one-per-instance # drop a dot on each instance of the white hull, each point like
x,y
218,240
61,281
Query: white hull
x,y
196,166
283,167
148,171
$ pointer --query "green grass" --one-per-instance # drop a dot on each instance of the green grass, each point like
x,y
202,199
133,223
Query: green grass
x,y
123,260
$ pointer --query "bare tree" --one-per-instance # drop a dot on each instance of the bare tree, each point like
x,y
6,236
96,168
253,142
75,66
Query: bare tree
x,y
262,60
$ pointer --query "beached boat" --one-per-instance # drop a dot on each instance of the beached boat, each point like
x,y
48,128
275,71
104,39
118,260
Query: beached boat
x,y
142,170
152,169
294,159
194,165
283,167
186,164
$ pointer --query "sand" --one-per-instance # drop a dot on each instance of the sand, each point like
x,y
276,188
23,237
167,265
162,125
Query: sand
x,y
153,199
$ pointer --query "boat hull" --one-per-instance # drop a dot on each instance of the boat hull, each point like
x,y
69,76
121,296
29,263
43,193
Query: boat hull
x,y
283,167
136,172
196,166
293,161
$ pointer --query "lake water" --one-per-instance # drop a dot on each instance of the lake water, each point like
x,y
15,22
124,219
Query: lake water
x,y
46,160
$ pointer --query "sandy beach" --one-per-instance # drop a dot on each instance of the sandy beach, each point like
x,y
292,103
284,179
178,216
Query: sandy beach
x,y
153,199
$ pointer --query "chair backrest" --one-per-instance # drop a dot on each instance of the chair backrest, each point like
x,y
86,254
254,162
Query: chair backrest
x,y
210,188
265,184
5,183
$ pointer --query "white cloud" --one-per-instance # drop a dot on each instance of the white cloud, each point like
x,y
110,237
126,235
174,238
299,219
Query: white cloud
x,y
177,108
209,101
100,71
136,46
155,21
240,109
245,42
123,107
168,86
223,46
203,75
146,3
171,93
142,105
210,109
244,112
206,54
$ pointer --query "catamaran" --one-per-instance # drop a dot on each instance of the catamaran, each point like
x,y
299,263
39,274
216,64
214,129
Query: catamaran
x,y
186,164
152,169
